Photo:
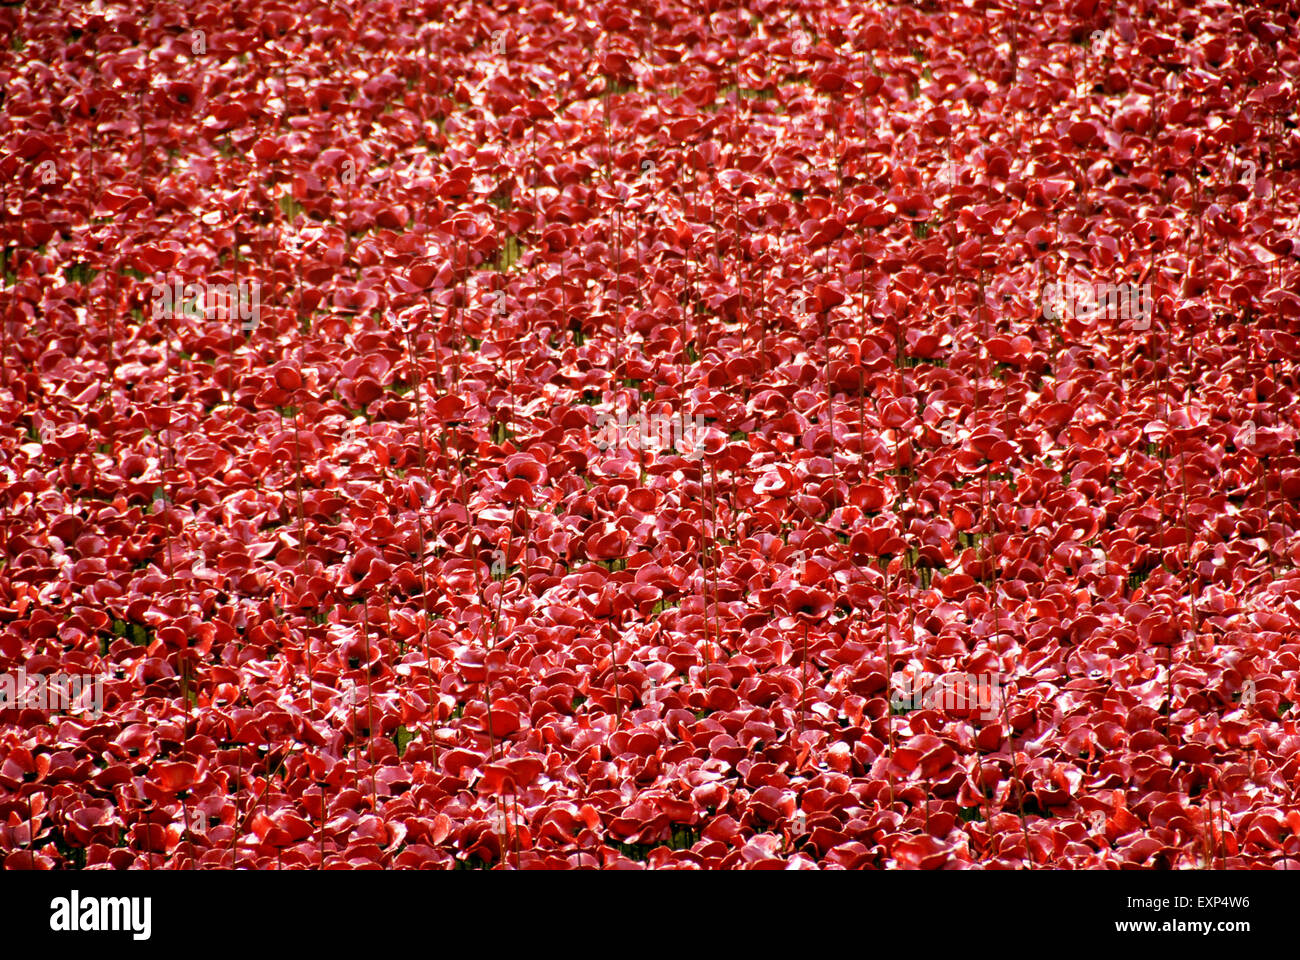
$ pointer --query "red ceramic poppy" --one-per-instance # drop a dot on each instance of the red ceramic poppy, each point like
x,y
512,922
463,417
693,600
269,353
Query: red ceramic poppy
x,y
589,460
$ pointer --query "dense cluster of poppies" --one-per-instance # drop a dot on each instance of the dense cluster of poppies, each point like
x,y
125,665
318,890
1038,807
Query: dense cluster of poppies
x,y
456,434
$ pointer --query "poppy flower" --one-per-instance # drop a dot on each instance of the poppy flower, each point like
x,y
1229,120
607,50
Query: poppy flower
x,y
983,367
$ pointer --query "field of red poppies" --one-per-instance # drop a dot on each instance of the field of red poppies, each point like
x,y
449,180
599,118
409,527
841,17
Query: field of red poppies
x,y
667,435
